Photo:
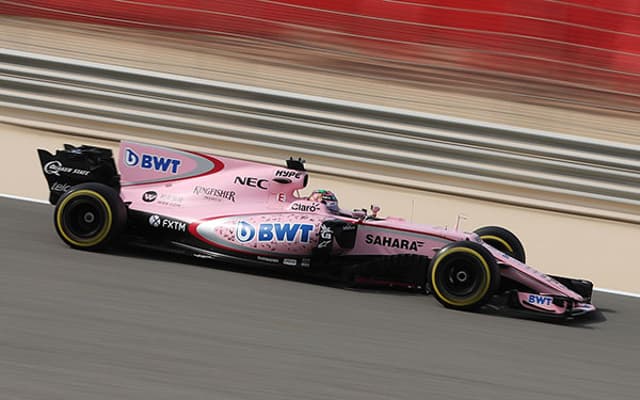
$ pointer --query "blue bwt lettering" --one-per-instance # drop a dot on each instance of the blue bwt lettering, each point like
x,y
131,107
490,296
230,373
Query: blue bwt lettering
x,y
151,161
542,300
265,233
246,232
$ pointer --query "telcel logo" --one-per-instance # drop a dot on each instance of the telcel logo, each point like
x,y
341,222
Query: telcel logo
x,y
151,161
246,232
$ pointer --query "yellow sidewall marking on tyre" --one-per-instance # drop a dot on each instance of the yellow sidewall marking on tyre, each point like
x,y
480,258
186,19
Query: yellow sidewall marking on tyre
x,y
499,240
100,236
475,298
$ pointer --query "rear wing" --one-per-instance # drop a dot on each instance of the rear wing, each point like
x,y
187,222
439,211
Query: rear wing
x,y
74,165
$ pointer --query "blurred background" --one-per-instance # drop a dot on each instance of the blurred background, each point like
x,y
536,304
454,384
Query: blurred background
x,y
526,102
565,66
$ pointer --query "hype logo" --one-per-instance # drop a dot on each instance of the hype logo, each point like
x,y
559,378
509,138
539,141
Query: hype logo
x,y
151,162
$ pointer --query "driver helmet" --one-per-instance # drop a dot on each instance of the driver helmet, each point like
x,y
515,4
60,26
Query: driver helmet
x,y
327,198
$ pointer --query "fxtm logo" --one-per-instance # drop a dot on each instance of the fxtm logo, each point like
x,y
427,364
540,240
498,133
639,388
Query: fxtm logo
x,y
151,161
246,232
158,222
395,243
251,182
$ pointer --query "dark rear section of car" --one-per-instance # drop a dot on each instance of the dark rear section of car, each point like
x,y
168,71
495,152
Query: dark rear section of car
x,y
75,165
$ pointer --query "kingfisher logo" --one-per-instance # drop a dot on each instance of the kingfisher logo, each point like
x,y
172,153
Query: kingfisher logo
x,y
246,232
151,162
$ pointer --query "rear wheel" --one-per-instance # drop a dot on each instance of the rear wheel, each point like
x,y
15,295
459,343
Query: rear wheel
x,y
463,275
503,240
89,216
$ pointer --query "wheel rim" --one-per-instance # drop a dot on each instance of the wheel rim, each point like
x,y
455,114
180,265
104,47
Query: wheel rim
x,y
459,276
84,218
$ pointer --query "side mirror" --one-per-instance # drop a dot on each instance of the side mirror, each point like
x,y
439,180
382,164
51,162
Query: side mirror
x,y
360,213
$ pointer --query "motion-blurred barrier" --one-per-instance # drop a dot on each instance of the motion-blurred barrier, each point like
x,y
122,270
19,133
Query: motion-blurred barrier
x,y
357,137
586,42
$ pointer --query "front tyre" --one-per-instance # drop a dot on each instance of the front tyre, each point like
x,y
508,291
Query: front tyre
x,y
89,216
463,275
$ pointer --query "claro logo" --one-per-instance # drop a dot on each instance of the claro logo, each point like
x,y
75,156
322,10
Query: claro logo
x,y
151,162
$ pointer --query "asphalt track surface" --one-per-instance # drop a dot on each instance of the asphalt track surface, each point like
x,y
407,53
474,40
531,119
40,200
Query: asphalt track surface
x,y
77,325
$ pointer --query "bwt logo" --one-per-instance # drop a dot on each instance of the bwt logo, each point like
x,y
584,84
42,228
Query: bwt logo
x,y
246,232
542,300
151,161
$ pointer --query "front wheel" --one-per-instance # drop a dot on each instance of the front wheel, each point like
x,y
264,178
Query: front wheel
x,y
503,240
89,216
463,275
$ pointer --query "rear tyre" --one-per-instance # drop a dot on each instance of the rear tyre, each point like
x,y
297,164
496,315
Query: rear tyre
x,y
463,275
90,216
503,240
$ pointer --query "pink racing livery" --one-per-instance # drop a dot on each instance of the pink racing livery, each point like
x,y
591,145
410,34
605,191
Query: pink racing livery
x,y
251,213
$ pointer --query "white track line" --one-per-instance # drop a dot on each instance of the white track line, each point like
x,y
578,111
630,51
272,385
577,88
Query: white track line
x,y
618,292
31,200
